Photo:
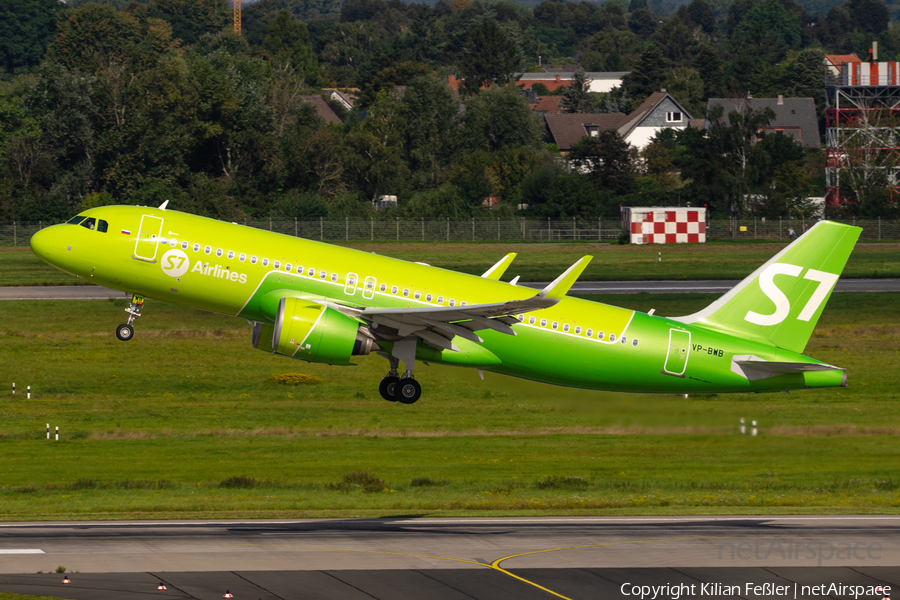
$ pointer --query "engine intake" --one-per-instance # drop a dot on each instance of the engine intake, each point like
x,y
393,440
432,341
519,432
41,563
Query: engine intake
x,y
313,332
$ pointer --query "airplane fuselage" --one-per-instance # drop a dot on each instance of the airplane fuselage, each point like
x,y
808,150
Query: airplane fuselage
x,y
244,272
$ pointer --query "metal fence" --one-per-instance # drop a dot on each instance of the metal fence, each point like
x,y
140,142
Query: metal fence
x,y
480,230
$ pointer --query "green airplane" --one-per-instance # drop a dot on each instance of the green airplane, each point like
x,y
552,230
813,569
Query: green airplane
x,y
327,304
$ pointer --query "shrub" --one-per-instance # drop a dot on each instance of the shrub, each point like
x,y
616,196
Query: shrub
x,y
359,480
563,482
295,379
240,481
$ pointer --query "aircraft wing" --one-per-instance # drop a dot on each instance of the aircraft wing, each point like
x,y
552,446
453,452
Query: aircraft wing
x,y
437,326
497,271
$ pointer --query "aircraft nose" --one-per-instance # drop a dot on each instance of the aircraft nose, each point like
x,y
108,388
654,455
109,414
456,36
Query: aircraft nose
x,y
42,243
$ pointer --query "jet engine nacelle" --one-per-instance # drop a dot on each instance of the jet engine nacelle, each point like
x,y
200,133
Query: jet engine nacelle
x,y
313,332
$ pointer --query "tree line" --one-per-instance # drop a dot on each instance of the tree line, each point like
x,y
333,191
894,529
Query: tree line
x,y
136,103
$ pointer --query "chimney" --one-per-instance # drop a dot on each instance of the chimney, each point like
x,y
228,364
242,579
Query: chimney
x,y
780,100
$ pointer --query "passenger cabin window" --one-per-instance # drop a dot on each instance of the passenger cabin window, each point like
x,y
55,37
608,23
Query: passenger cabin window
x,y
463,303
428,297
520,318
184,245
230,255
242,257
623,339
543,322
322,274
299,270
75,220
634,342
334,276
394,289
172,243
440,300
406,293
207,250
612,337
555,325
288,267
265,262
89,223
253,260
219,252
102,226
382,287
599,335
566,327
312,272
276,264
577,330
531,320
589,332
417,295
452,302
196,247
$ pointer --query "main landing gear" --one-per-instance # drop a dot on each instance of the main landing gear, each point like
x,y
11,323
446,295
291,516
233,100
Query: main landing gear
x,y
405,390
125,331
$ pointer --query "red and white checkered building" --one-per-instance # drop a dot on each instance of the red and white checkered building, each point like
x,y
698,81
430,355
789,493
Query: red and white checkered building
x,y
662,225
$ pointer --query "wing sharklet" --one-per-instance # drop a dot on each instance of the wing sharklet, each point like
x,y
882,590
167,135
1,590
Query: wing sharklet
x,y
560,286
497,271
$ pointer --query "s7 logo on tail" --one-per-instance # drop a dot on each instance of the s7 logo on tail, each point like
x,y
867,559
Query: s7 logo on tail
x,y
781,301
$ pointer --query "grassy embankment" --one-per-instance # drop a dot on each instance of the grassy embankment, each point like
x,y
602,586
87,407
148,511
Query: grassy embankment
x,y
536,262
181,422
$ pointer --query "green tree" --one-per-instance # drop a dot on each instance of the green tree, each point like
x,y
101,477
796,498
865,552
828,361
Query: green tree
x,y
607,158
431,115
647,77
768,30
489,57
577,96
288,43
26,26
499,118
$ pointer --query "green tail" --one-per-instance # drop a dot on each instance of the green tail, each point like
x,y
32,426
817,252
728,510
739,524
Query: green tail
x,y
781,301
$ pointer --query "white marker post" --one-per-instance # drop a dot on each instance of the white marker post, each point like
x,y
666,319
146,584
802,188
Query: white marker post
x,y
743,427
14,388
57,433
753,432
28,395
48,431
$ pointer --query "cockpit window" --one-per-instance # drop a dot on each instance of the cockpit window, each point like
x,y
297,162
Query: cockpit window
x,y
102,226
89,223
75,220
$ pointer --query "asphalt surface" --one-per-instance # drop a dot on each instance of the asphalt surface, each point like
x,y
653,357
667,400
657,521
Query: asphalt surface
x,y
581,287
482,558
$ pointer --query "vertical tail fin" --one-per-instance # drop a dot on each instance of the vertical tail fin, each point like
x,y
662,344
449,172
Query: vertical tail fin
x,y
781,301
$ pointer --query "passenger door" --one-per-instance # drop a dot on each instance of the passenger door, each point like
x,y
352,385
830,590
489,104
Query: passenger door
x,y
677,356
148,238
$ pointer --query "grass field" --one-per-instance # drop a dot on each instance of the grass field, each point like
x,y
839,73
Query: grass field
x,y
715,260
182,422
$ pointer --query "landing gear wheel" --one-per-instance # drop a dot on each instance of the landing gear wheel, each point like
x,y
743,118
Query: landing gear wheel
x,y
124,332
388,388
408,390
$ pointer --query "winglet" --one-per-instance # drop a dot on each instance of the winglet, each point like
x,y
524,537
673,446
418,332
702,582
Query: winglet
x,y
562,284
497,271
164,205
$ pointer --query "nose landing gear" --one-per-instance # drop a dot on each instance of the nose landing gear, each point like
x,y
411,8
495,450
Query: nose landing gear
x,y
125,331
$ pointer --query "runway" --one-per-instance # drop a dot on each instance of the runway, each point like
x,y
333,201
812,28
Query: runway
x,y
94,292
409,557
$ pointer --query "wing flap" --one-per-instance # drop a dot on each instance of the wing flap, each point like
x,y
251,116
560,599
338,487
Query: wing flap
x,y
753,367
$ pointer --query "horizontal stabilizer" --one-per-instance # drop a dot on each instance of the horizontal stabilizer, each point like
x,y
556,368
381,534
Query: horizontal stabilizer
x,y
560,286
754,368
497,271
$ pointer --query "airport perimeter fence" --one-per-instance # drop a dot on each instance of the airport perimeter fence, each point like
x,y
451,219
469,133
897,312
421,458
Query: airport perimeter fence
x,y
482,230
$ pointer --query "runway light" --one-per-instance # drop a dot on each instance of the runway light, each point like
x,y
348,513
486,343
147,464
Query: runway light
x,y
161,586
227,594
66,579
